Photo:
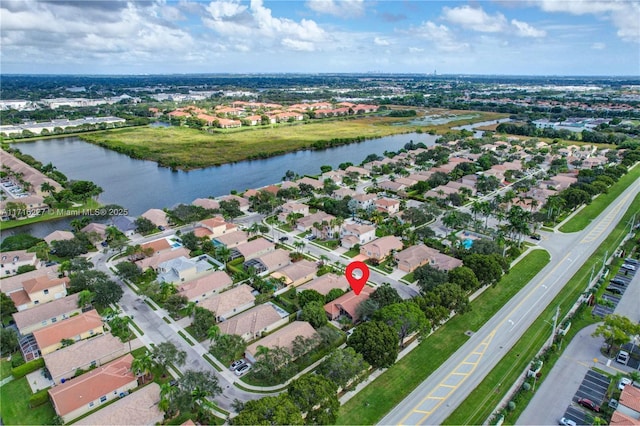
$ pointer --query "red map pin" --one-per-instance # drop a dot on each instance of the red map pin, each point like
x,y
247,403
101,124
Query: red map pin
x,y
357,282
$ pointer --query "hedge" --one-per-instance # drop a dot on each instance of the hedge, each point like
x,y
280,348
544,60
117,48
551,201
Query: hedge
x,y
29,367
39,398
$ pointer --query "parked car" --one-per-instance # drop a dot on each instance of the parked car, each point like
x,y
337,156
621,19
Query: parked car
x,y
623,357
237,364
161,228
285,238
618,281
624,382
242,369
615,290
536,237
629,267
567,422
587,403
632,261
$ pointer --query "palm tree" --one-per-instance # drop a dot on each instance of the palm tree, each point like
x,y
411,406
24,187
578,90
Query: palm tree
x,y
142,366
213,332
254,229
533,204
298,245
112,233
476,208
85,297
167,393
223,253
47,187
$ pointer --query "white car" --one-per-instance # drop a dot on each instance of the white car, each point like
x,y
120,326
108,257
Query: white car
x,y
624,382
567,422
243,369
629,267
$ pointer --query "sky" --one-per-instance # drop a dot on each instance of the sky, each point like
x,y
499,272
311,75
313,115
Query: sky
x,y
521,37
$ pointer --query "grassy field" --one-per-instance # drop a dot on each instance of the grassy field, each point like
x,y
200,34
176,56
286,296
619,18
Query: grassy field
x,y
590,212
5,369
15,408
377,399
185,148
482,401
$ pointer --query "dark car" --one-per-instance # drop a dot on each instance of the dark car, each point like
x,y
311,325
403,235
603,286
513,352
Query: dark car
x,y
536,237
587,403
285,238
615,290
618,281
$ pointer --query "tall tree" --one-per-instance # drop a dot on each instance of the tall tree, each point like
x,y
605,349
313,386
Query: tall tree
x,y
377,342
317,397
405,318
228,347
167,353
270,410
143,365
385,295
616,330
314,313
345,367
429,277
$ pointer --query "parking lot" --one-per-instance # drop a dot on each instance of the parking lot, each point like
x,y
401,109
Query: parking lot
x,y
617,287
594,387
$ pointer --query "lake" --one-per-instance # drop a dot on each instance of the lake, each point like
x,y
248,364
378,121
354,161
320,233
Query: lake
x,y
140,185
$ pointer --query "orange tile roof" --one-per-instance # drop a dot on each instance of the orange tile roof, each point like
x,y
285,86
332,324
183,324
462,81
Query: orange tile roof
x,y
67,329
157,245
348,302
43,283
630,397
90,386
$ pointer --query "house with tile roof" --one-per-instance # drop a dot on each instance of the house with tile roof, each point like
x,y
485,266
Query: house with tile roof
x,y
206,203
297,273
388,205
137,408
271,261
341,193
10,261
415,256
243,204
392,185
283,338
292,208
325,283
381,248
315,183
217,226
230,302
156,246
58,235
157,217
352,234
347,305
176,270
160,257
76,328
365,200
40,316
306,223
232,239
124,224
98,228
14,283
39,290
205,286
629,402
255,322
85,354
85,393
252,249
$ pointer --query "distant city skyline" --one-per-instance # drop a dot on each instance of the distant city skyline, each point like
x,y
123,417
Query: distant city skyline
x,y
526,37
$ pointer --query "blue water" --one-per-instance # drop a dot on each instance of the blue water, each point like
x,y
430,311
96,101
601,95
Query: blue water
x,y
467,243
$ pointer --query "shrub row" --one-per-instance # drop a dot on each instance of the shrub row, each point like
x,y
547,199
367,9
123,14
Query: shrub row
x,y
39,398
29,367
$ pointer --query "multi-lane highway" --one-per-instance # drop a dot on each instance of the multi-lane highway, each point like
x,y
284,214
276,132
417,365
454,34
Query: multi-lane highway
x,y
444,390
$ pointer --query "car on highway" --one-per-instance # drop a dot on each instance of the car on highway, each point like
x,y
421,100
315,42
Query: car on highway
x,y
615,290
243,369
237,364
567,422
587,403
624,382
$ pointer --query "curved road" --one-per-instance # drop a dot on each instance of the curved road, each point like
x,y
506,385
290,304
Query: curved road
x,y
438,396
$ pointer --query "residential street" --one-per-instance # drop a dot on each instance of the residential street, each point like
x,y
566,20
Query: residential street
x,y
438,396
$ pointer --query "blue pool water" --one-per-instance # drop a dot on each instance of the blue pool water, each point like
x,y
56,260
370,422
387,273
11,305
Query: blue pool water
x,y
467,243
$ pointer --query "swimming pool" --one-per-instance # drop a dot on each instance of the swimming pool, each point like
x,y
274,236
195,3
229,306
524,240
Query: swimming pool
x,y
467,243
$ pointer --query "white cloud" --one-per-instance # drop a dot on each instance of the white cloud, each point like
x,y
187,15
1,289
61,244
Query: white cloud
x,y
625,15
441,36
416,50
598,46
525,30
257,26
339,8
379,41
475,19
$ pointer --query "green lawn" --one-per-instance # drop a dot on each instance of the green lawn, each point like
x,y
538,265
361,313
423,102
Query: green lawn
x,y
409,277
590,212
54,214
5,369
482,401
352,253
15,408
377,399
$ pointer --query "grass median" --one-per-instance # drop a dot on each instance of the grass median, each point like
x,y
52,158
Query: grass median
x,y
377,399
483,399
590,212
